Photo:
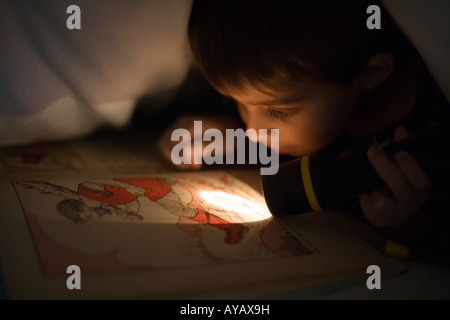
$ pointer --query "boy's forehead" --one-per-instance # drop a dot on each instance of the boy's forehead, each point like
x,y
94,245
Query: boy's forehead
x,y
262,95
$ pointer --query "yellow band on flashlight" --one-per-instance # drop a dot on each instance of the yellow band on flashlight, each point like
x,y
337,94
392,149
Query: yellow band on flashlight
x,y
396,250
307,184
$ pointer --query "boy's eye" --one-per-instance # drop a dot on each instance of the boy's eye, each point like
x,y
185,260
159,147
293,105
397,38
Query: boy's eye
x,y
281,114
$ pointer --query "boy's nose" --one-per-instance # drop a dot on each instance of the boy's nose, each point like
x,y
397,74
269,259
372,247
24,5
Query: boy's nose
x,y
253,134
264,136
255,123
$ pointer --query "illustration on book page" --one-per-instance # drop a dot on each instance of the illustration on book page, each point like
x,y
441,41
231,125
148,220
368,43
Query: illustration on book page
x,y
134,223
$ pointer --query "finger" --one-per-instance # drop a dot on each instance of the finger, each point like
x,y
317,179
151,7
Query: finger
x,y
370,213
402,191
380,209
164,150
416,176
189,152
401,133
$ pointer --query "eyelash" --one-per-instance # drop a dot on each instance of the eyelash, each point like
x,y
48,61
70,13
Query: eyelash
x,y
279,115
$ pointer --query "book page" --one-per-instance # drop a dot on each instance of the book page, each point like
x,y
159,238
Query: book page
x,y
106,153
166,235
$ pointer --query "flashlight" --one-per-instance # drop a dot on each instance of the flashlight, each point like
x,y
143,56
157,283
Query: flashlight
x,y
316,182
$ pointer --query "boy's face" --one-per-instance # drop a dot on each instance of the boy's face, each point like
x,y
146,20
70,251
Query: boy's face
x,y
308,115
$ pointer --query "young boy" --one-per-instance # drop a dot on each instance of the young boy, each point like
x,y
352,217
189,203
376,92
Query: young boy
x,y
315,71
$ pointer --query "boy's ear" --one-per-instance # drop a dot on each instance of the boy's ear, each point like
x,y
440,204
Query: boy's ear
x,y
379,69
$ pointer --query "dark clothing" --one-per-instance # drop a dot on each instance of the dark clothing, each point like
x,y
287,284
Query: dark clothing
x,y
428,233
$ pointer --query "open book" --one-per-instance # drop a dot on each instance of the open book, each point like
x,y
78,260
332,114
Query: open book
x,y
165,235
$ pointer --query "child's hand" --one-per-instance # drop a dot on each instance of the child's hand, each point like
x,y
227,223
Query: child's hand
x,y
408,186
165,144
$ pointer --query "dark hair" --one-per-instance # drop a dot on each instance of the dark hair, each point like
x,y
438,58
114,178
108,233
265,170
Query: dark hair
x,y
270,42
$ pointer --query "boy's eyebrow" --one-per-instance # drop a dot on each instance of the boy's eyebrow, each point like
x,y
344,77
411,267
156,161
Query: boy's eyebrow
x,y
286,100
279,102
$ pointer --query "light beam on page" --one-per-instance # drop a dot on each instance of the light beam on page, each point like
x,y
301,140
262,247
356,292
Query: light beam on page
x,y
250,210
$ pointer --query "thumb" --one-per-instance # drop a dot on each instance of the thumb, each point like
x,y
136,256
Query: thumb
x,y
401,134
